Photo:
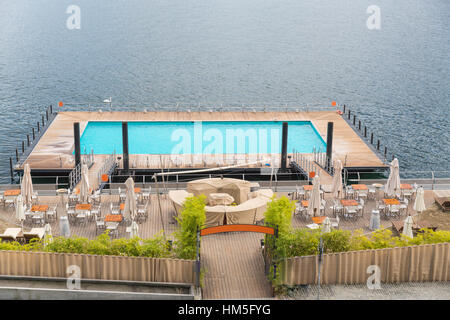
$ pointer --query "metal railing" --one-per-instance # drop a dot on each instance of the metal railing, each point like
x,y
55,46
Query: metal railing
x,y
108,166
75,174
324,161
95,106
304,163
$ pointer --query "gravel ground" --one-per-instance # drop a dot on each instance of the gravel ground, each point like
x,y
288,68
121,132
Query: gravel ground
x,y
403,291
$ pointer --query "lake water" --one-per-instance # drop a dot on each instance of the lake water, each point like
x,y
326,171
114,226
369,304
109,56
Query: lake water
x,y
227,52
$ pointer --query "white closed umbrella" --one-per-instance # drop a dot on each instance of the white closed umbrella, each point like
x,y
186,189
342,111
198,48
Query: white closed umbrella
x,y
134,230
407,227
84,184
20,210
314,199
130,200
47,233
327,225
419,203
64,227
392,187
26,188
336,188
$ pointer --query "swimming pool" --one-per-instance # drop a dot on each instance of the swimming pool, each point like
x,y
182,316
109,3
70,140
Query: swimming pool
x,y
207,137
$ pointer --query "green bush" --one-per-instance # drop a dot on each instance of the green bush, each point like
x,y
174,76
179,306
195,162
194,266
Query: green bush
x,y
305,242
193,217
155,247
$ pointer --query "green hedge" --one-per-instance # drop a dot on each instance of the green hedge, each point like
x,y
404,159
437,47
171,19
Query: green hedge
x,y
305,242
193,218
155,247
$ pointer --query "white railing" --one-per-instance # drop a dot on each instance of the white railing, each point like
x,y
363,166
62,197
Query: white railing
x,y
107,166
75,174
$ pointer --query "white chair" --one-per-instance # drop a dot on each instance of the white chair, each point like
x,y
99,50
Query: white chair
x,y
362,194
114,209
404,206
34,198
146,193
323,204
394,211
372,193
51,214
360,207
38,219
338,209
350,212
99,225
335,222
350,192
381,207
113,228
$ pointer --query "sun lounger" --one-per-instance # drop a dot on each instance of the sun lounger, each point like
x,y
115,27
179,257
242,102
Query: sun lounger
x,y
37,233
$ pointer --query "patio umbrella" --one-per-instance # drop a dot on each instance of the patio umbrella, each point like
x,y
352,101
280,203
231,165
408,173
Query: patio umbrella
x,y
130,201
26,188
336,188
419,203
64,227
392,187
84,184
327,225
407,227
20,211
314,200
134,230
47,233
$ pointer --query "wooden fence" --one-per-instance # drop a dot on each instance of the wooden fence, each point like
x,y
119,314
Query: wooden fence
x,y
49,264
424,263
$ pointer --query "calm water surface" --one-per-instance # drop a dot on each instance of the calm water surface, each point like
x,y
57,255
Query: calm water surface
x,y
235,51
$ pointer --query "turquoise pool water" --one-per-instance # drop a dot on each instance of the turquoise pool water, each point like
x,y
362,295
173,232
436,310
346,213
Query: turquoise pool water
x,y
200,137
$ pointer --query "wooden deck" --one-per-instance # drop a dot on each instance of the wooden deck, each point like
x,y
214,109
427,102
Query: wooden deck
x,y
55,148
234,267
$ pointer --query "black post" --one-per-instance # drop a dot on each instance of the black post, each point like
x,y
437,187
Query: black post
x,y
359,125
393,157
385,152
11,167
51,109
371,138
34,134
365,131
17,155
43,121
329,144
344,109
23,147
378,144
28,140
39,129
46,114
354,119
76,137
197,261
284,140
126,162
349,112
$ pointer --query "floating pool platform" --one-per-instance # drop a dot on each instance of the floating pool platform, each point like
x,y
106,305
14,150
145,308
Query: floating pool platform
x,y
54,151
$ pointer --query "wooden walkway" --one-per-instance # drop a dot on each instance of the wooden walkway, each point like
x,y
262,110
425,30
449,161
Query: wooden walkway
x,y
55,148
234,266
